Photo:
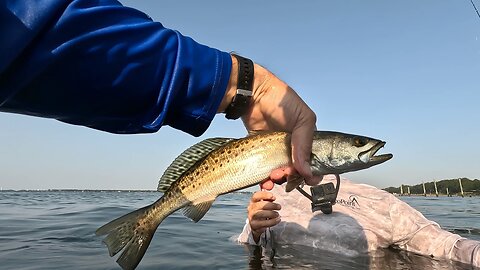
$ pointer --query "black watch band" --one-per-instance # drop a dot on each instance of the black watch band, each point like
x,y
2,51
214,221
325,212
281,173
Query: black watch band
x,y
241,101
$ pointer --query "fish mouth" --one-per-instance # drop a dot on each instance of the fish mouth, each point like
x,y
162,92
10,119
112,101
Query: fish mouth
x,y
370,157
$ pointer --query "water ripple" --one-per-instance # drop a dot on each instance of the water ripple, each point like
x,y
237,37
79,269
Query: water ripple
x,y
56,230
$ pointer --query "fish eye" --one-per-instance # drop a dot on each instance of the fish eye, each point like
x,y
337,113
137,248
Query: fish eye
x,y
360,141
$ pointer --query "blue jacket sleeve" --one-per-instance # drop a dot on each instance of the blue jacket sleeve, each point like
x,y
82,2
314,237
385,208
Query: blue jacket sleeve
x,y
105,66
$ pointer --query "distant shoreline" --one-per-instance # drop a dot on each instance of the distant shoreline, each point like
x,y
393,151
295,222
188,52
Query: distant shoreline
x,y
467,194
448,187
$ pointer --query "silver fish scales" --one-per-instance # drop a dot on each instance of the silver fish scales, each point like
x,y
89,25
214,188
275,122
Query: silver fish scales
x,y
218,166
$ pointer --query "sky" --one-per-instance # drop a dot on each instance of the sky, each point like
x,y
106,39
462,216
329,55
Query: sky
x,y
406,72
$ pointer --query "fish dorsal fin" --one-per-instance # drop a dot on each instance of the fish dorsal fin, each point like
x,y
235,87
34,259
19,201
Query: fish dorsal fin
x,y
187,159
196,211
257,132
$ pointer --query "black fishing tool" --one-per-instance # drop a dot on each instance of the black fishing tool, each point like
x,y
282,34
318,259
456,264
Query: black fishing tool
x,y
323,197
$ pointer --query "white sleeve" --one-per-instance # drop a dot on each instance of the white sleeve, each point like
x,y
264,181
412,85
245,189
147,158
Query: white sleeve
x,y
246,237
436,242
415,233
467,251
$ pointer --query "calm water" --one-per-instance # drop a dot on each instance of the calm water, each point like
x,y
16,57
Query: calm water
x,y
55,230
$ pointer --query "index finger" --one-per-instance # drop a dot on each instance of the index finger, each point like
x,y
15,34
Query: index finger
x,y
262,196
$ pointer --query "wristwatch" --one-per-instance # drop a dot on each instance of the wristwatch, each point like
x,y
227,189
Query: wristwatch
x,y
241,101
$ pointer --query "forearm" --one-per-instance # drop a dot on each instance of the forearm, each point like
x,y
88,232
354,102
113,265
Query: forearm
x,y
110,67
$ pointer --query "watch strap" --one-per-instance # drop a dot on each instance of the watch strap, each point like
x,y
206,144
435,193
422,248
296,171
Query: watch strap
x,y
241,101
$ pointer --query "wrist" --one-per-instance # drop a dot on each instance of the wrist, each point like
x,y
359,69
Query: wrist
x,y
256,236
231,87
260,77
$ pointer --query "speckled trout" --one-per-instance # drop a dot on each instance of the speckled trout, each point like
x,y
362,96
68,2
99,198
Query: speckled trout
x,y
218,166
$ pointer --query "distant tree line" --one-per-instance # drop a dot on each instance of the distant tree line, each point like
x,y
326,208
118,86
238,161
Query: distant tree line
x,y
470,186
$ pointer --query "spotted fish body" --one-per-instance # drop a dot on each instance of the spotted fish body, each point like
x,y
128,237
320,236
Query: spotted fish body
x,y
237,165
202,173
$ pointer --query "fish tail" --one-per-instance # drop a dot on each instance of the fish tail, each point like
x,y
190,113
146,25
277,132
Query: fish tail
x,y
133,233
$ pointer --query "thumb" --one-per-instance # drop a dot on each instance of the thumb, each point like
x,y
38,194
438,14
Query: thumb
x,y
302,139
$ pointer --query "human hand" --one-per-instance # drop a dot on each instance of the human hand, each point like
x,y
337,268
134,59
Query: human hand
x,y
276,107
262,213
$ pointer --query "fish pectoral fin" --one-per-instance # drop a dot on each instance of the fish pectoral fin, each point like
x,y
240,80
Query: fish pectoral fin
x,y
293,181
197,210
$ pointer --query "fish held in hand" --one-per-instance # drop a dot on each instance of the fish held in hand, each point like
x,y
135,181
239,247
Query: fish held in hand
x,y
218,166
